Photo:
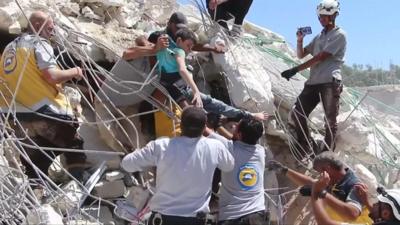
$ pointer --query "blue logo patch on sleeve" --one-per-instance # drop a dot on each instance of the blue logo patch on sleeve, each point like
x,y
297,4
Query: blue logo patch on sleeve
x,y
10,61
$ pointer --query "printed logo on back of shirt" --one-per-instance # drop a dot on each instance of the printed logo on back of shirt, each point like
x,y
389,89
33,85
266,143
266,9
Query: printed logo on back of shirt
x,y
247,176
10,61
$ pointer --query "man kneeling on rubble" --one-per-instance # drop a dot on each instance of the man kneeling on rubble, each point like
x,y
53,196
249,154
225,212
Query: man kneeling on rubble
x,y
185,168
29,70
340,197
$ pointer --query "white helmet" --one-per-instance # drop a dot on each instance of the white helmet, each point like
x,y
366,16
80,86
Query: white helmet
x,y
391,197
328,7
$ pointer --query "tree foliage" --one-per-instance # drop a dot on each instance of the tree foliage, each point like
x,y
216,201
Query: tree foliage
x,y
359,75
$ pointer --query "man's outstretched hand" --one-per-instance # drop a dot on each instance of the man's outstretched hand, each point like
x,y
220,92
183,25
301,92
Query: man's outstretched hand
x,y
276,166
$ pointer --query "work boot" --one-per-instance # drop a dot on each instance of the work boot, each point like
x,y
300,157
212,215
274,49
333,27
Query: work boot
x,y
236,31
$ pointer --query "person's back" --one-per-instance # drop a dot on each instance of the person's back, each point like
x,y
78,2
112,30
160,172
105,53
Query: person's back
x,y
241,198
242,190
184,174
185,167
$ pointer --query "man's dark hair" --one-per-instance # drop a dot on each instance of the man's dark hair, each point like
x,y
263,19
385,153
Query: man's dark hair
x,y
186,34
328,158
154,36
178,19
193,121
251,130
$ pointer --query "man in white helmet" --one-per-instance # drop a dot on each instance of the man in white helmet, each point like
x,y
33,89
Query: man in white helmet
x,y
384,212
325,83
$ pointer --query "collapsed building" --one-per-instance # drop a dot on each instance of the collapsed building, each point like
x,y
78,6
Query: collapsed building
x,y
94,33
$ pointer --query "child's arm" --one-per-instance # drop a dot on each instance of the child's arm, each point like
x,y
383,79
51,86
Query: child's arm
x,y
188,78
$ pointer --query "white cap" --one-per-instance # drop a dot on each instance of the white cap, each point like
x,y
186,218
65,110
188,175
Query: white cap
x,y
392,197
328,7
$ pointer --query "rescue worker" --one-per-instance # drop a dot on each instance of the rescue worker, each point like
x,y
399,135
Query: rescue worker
x,y
29,70
185,167
241,199
327,49
342,203
384,212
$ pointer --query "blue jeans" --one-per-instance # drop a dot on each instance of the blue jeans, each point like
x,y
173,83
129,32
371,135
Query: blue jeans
x,y
213,105
180,91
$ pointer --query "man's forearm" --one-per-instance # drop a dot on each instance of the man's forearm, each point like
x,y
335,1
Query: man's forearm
x,y
300,50
314,60
138,52
299,178
57,76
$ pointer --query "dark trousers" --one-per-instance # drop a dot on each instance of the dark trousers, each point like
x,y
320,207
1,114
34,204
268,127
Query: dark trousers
x,y
168,81
232,8
257,218
309,98
159,219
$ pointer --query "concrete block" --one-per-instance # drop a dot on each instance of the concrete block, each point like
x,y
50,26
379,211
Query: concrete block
x,y
114,175
106,189
104,212
67,202
138,196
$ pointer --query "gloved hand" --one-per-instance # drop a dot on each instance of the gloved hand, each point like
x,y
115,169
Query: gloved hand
x,y
289,73
305,190
276,166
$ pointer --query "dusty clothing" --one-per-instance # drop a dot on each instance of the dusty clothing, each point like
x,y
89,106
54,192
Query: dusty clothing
x,y
333,42
227,10
189,162
309,98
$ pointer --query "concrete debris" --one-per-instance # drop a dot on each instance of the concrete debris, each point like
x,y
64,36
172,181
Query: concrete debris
x,y
15,28
45,214
88,13
138,196
114,175
70,200
109,190
106,217
56,171
70,9
9,14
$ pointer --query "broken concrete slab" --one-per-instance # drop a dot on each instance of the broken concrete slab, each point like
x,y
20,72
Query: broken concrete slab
x,y
109,190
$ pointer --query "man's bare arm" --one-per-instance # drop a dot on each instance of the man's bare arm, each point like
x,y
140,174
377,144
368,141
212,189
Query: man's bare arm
x,y
299,178
58,76
148,50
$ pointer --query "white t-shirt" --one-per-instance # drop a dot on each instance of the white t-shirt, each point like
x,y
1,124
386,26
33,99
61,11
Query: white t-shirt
x,y
185,168
242,190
